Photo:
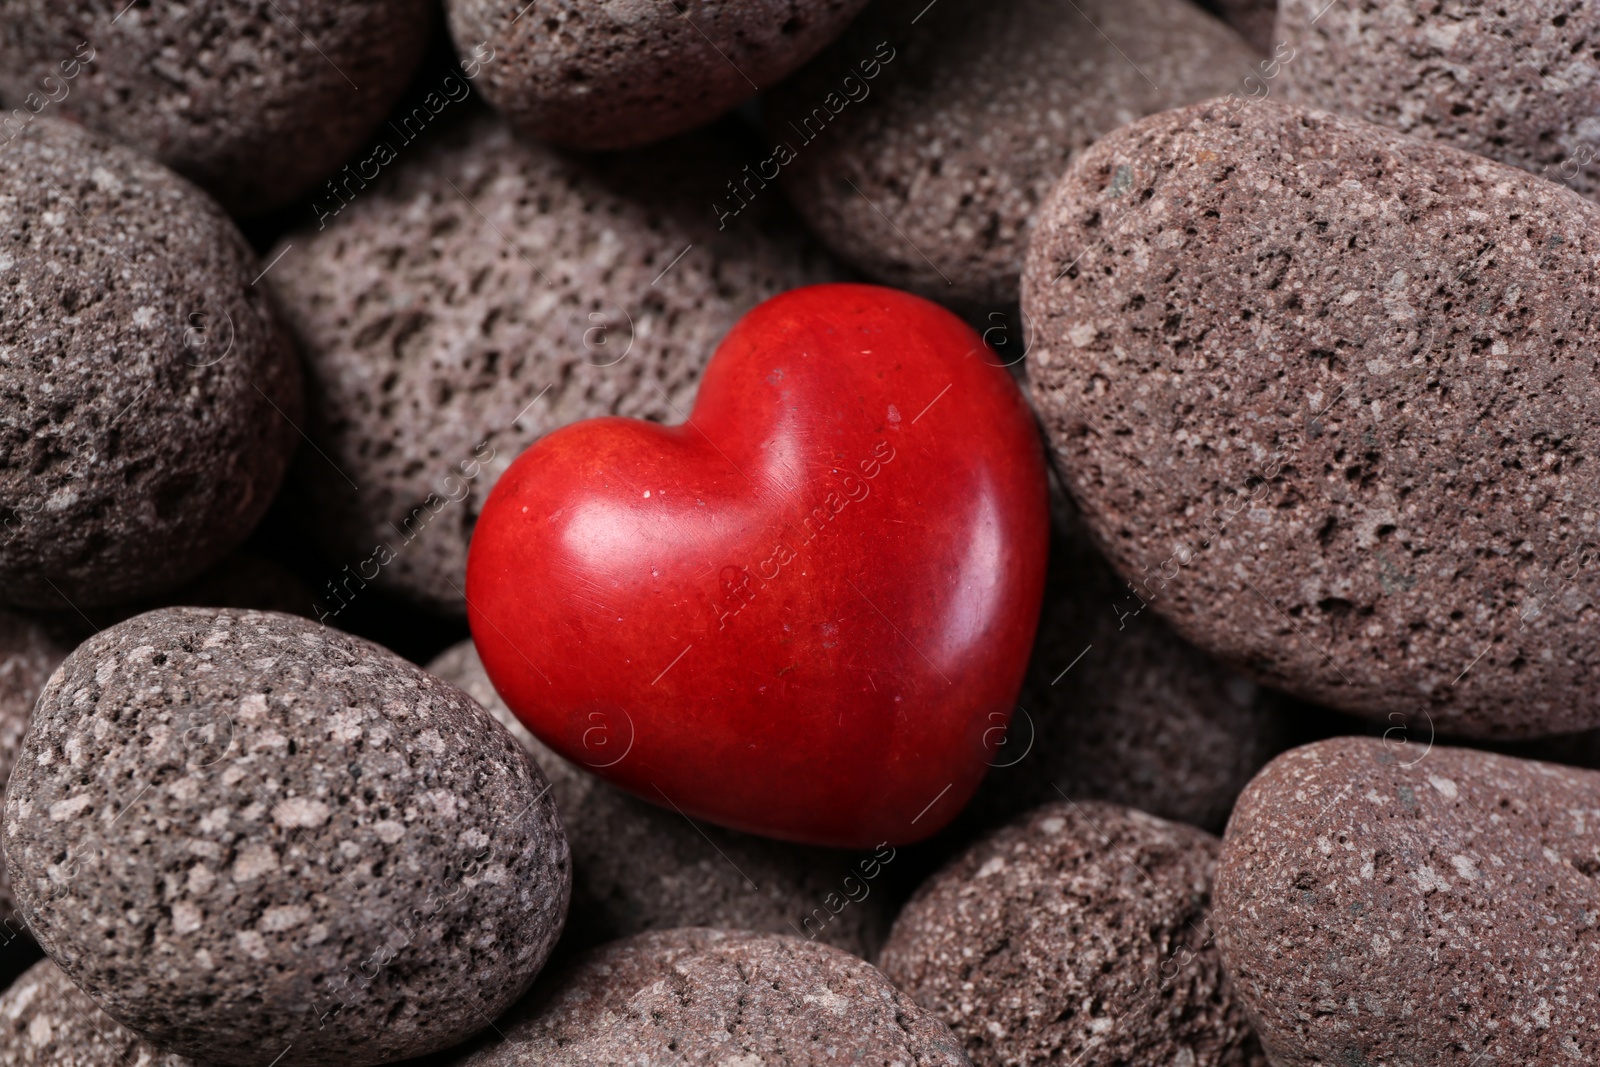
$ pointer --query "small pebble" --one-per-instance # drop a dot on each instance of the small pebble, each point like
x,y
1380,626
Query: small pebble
x,y
636,866
1517,81
732,998
622,75
1378,904
255,103
487,292
920,146
1321,390
1078,934
146,418
246,836
46,1021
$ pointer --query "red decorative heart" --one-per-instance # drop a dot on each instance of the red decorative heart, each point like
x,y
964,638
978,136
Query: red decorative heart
x,y
806,611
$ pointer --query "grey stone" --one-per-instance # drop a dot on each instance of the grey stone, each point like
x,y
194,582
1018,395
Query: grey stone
x,y
252,840
1517,81
147,392
1078,934
484,293
928,175
636,866
625,74
46,1021
29,654
702,997
1379,903
254,101
1329,383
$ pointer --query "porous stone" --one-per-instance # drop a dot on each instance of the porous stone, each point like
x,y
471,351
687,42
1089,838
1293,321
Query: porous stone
x,y
624,75
255,102
636,866
698,996
1331,381
29,654
249,838
1078,934
146,390
1117,707
46,1021
1518,81
1380,904
920,148
486,292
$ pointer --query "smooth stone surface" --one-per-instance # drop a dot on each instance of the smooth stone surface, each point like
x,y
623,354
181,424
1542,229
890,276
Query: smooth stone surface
x,y
147,387
486,292
622,75
1332,382
1117,707
247,837
697,996
46,1021
636,866
929,175
1078,934
1380,904
255,103
1517,81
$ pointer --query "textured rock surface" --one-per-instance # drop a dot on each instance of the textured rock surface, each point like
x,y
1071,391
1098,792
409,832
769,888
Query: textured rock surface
x,y
1518,81
239,831
1252,18
1332,385
46,1021
636,866
145,387
697,996
1379,905
255,102
1078,934
1122,709
488,292
28,656
622,75
930,174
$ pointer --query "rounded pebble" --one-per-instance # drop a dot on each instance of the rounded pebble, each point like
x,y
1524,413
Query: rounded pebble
x,y
698,996
636,866
245,836
29,654
46,1021
1516,81
1078,934
920,148
1117,707
1376,904
488,292
145,418
1328,383
255,103
624,75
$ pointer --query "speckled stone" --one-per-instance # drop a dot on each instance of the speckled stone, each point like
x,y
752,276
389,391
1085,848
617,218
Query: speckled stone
x,y
717,997
145,386
1377,905
625,74
931,173
1119,708
1517,81
490,291
29,654
255,101
249,837
1078,934
1330,384
1252,18
636,866
46,1021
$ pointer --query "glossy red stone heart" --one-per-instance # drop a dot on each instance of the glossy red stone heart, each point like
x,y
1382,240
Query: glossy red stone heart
x,y
806,611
